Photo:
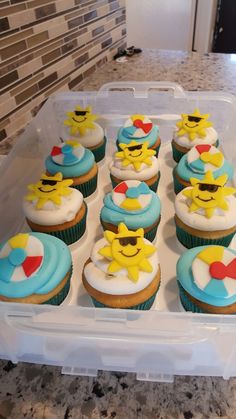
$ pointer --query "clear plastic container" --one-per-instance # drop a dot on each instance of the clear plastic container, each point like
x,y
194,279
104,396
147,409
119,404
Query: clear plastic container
x,y
156,344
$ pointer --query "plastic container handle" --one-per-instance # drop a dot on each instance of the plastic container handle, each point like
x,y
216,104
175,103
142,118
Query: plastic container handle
x,y
141,89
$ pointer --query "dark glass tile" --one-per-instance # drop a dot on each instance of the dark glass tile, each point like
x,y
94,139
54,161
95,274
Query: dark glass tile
x,y
4,24
75,81
47,80
90,15
8,79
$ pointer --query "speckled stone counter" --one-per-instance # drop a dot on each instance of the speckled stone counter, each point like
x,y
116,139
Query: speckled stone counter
x,y
35,391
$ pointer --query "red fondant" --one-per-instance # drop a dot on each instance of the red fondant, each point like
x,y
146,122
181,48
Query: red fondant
x,y
121,188
219,270
203,148
55,151
145,127
31,263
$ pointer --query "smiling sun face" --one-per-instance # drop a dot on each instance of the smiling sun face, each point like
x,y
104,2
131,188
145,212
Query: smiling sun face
x,y
49,188
80,120
208,194
128,250
135,154
193,124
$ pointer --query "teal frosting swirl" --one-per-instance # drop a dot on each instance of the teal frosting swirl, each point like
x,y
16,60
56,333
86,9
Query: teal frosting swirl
x,y
185,277
56,264
185,173
74,170
113,214
151,137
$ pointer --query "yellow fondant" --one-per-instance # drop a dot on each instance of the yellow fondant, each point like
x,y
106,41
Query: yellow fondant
x,y
211,254
208,193
215,159
131,204
137,116
49,188
137,156
80,123
127,250
73,143
20,240
193,125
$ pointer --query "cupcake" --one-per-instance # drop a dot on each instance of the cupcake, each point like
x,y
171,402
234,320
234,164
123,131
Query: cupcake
x,y
123,271
54,208
135,205
140,128
81,127
206,279
74,162
205,212
34,268
192,130
135,162
199,160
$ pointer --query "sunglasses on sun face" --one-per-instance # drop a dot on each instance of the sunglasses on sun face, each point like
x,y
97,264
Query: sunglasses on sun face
x,y
194,119
135,147
49,182
207,187
80,113
124,241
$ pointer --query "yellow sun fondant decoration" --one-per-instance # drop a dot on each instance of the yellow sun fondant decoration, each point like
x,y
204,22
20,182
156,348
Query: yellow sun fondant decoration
x,y
127,250
137,116
80,120
49,188
193,124
135,154
208,193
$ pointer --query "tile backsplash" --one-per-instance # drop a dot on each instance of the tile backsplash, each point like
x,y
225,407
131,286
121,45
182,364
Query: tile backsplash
x,y
48,46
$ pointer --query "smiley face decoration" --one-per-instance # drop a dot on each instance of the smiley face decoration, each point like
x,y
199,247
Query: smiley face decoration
x,y
80,120
49,188
127,250
193,125
135,154
208,194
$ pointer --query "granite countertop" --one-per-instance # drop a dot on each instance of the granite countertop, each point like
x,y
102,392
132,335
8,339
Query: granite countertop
x,y
35,391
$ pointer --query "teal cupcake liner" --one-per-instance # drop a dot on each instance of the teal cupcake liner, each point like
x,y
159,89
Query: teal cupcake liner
x,y
146,305
157,149
188,240
99,152
87,188
178,187
60,297
187,304
153,186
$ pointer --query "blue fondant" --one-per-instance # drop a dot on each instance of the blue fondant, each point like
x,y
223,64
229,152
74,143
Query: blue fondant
x,y
17,256
111,213
198,165
185,278
135,191
70,159
129,131
216,288
74,170
56,263
151,137
185,173
6,270
67,149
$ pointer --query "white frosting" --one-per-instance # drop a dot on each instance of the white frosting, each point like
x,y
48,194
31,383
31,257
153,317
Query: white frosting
x,y
221,220
118,197
210,138
193,155
202,276
118,283
51,214
91,138
129,172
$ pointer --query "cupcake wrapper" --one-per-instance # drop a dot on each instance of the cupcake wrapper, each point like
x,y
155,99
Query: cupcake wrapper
x,y
189,241
99,152
153,186
187,304
146,305
157,149
87,188
217,143
177,185
60,297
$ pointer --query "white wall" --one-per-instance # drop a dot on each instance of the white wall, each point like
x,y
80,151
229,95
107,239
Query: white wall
x,y
163,24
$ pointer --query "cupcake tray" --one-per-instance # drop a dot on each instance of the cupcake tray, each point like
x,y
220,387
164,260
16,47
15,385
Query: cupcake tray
x,y
156,344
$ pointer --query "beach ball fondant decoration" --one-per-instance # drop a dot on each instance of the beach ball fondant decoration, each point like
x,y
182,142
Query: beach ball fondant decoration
x,y
135,154
203,158
214,272
208,194
127,250
20,258
137,126
193,125
67,153
132,195
80,120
